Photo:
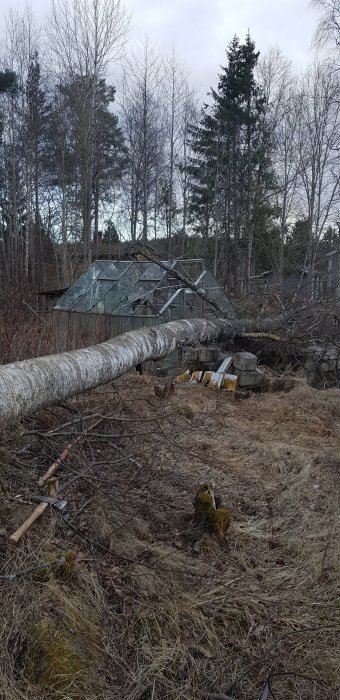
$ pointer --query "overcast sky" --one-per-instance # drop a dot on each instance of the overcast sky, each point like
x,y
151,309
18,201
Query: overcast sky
x,y
201,29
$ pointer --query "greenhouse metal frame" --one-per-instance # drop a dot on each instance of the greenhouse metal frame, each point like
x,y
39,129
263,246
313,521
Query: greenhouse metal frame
x,y
144,289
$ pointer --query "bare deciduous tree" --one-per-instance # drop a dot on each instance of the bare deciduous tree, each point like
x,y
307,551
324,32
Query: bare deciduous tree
x,y
328,28
277,80
318,138
85,36
143,120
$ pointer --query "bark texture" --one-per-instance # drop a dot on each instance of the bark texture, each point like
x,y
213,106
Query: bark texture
x,y
32,384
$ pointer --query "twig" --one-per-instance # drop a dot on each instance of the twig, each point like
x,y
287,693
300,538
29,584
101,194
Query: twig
x,y
53,468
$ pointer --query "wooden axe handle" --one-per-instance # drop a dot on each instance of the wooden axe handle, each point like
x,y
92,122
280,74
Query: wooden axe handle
x,y
38,511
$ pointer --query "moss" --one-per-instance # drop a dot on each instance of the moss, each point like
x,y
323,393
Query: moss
x,y
68,570
220,520
61,567
215,520
205,499
63,654
53,662
204,502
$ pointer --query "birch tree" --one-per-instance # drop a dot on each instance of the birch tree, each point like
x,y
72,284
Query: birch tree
x,y
282,114
318,155
176,100
85,37
143,120
21,42
328,28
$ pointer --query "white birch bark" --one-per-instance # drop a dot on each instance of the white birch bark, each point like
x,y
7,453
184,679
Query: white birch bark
x,y
32,384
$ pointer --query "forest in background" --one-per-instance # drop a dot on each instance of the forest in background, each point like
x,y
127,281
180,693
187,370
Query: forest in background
x,y
101,142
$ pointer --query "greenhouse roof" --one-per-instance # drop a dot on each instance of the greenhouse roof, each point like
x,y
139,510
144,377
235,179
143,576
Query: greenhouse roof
x,y
138,288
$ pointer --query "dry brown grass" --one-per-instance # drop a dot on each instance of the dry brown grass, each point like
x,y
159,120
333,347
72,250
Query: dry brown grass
x,y
25,333
160,608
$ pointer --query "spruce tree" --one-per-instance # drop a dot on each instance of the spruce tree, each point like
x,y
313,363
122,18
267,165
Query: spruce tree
x,y
230,167
8,81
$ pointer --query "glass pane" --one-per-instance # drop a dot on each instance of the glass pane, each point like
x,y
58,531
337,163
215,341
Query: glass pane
x,y
85,282
190,269
138,295
111,269
89,301
152,271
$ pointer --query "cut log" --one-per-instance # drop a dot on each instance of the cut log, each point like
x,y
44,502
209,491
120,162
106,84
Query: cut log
x,y
32,384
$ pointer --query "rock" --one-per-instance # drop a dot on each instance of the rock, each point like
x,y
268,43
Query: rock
x,y
249,379
245,361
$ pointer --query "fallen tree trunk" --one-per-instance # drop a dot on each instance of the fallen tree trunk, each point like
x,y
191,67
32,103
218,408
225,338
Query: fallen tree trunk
x,y
32,384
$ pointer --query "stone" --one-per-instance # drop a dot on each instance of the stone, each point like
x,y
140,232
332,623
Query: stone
x,y
245,361
196,377
205,355
190,355
215,380
249,379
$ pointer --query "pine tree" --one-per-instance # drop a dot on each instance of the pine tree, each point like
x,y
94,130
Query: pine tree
x,y
230,168
8,81
84,178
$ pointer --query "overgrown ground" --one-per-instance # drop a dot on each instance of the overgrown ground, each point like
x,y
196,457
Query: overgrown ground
x,y
153,608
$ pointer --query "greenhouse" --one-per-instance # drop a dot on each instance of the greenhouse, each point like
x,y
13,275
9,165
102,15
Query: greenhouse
x,y
145,290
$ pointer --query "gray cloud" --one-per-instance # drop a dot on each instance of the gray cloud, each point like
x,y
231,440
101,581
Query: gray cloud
x,y
200,30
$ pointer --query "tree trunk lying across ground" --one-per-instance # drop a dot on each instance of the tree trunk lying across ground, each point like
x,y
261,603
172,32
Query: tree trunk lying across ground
x,y
32,384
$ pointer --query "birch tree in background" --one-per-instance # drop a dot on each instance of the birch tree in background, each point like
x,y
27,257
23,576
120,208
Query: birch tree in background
x,y
85,37
144,129
176,98
318,138
282,113
328,28
21,43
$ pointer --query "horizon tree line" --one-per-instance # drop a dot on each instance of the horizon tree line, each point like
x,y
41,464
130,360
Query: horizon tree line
x,y
235,181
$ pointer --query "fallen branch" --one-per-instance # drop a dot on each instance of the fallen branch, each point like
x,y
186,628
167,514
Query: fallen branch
x,y
66,452
219,311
